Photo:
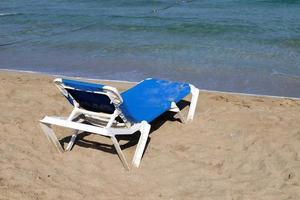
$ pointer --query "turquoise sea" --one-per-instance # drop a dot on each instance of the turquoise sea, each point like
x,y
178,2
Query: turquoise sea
x,y
250,46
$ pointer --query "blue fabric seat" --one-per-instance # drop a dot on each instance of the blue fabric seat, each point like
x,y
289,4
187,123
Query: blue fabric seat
x,y
87,97
145,101
152,97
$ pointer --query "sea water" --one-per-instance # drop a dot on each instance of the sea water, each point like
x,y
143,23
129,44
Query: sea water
x,y
250,46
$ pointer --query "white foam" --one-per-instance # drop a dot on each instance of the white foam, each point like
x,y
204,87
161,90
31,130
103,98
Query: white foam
x,y
8,14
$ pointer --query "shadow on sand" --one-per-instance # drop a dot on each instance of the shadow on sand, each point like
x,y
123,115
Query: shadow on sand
x,y
130,140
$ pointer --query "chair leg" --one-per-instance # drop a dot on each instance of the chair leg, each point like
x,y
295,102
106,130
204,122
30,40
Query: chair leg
x,y
75,113
119,151
195,94
180,117
72,141
145,129
51,136
174,108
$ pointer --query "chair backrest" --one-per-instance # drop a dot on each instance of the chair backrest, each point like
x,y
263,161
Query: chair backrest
x,y
90,96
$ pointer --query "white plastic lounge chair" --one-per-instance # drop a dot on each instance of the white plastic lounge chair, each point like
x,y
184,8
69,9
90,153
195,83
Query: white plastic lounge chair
x,y
104,111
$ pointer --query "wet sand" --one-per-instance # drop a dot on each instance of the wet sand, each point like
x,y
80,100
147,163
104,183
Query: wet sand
x,y
237,147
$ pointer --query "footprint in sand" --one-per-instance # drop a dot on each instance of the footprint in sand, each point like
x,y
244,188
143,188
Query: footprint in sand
x,y
220,98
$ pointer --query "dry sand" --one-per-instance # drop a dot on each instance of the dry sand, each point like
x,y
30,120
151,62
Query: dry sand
x,y
237,147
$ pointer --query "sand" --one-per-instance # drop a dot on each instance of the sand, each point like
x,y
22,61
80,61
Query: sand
x,y
237,147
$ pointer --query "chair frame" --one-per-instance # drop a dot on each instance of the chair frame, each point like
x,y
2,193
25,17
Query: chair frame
x,y
109,126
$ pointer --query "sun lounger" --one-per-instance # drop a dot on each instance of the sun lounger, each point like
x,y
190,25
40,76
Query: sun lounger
x,y
102,110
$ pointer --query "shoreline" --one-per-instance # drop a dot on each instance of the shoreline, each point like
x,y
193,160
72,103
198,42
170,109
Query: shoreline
x,y
133,82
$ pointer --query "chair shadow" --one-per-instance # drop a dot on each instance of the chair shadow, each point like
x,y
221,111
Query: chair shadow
x,y
131,140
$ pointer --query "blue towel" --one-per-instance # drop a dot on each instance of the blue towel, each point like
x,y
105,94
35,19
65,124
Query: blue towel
x,y
152,97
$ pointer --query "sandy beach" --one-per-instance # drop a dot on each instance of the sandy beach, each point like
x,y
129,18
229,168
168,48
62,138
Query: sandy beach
x,y
237,147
